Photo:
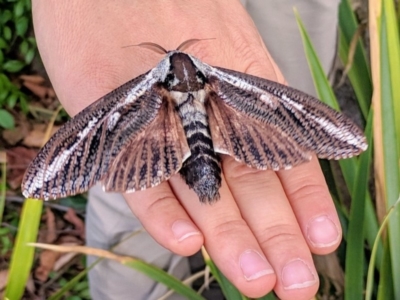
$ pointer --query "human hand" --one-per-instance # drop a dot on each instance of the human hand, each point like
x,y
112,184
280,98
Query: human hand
x,y
263,229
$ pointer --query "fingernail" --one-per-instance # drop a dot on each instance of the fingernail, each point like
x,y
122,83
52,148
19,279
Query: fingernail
x,y
254,265
322,232
297,275
183,229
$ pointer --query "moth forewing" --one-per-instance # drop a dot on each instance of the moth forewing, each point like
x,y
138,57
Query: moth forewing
x,y
176,118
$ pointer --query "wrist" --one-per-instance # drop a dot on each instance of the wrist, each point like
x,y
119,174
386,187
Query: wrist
x,y
82,44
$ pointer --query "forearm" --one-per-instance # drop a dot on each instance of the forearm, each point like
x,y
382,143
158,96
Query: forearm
x,y
81,42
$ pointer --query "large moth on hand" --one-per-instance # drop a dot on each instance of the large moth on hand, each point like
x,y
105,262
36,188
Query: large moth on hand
x,y
178,118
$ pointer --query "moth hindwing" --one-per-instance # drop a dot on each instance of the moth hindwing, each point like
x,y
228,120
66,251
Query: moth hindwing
x,y
178,118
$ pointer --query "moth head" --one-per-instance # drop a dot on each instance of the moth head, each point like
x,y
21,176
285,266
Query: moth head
x,y
183,76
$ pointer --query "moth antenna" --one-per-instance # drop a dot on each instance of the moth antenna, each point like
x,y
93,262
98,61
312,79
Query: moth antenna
x,y
153,46
191,41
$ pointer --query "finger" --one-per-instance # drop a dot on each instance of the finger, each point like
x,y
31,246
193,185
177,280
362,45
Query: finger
x,y
312,204
165,219
229,240
265,208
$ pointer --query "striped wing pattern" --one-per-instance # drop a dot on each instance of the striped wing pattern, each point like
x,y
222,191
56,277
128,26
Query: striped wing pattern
x,y
268,125
92,146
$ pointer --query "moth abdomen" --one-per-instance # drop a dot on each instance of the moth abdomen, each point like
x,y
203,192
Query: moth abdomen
x,y
203,175
202,170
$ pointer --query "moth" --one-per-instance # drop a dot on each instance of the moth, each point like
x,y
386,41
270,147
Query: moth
x,y
179,117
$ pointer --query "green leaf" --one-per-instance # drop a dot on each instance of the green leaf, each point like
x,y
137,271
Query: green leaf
x,y
3,43
67,286
12,100
164,278
355,259
21,26
388,285
19,9
359,74
7,33
3,95
32,41
22,257
1,57
13,66
6,119
24,47
229,290
390,127
5,16
23,103
385,288
74,298
3,181
30,55
348,166
4,81
27,4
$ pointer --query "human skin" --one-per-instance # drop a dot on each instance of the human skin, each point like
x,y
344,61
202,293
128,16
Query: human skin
x,y
262,231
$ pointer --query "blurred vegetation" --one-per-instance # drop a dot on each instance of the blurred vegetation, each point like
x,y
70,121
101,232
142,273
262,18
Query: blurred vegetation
x,y
17,50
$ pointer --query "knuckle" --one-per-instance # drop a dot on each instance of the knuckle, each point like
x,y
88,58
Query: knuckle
x,y
238,171
276,235
161,202
307,190
229,228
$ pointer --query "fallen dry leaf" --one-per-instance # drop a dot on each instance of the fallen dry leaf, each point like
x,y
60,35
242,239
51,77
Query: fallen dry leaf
x,y
14,135
51,232
50,260
18,160
71,217
3,279
30,285
47,260
38,90
35,137
3,157
33,78
36,84
69,239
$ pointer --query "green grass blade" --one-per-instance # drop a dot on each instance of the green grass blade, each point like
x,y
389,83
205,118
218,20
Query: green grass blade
x,y
319,77
149,270
269,296
359,73
385,288
229,290
22,257
3,184
70,284
390,95
163,277
371,268
354,279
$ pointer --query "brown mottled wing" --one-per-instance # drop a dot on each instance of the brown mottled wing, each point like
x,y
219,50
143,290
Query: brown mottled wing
x,y
269,125
85,149
154,156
